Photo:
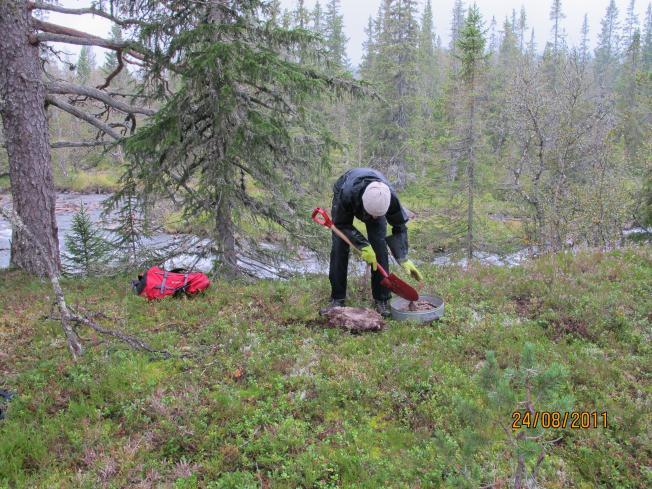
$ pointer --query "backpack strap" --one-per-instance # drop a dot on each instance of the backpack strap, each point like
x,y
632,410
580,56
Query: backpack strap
x,y
182,288
162,286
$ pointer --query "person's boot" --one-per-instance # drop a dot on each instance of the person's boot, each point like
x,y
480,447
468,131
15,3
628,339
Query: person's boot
x,y
333,303
382,308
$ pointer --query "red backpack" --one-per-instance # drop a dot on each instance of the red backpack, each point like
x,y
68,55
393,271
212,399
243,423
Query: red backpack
x,y
157,283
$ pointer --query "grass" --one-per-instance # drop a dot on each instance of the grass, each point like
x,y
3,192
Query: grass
x,y
99,181
271,399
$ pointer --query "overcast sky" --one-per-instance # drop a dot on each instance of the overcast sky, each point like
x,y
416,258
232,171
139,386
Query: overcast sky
x,y
356,13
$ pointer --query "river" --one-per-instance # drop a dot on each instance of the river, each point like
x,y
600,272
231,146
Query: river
x,y
306,261
68,204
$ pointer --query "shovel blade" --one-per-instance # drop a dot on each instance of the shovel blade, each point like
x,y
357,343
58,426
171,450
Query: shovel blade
x,y
400,288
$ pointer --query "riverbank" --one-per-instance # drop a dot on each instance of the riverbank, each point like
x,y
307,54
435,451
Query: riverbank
x,y
268,398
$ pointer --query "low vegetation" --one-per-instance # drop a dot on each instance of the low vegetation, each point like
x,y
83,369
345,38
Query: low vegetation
x,y
259,394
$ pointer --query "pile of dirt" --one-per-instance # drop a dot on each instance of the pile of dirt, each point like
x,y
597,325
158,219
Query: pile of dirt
x,y
355,319
418,306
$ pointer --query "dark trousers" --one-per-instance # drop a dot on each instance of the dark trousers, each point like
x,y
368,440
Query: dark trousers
x,y
376,232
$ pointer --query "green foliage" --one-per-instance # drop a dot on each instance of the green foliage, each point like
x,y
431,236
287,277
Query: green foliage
x,y
134,223
264,395
608,39
85,64
647,42
99,181
238,140
471,44
88,251
392,66
334,34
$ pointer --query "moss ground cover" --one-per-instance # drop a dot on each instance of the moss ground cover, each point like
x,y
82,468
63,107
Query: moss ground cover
x,y
265,397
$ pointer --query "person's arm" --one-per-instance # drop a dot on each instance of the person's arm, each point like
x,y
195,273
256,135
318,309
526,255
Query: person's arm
x,y
398,241
343,220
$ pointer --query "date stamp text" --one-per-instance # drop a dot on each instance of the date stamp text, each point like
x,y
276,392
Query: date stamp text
x,y
574,420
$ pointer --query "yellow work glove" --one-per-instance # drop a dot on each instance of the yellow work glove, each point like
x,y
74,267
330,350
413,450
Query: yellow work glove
x,y
412,270
369,256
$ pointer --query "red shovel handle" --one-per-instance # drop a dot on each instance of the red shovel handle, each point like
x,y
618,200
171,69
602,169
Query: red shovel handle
x,y
382,271
392,282
320,216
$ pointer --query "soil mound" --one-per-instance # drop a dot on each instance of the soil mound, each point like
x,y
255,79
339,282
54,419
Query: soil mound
x,y
355,319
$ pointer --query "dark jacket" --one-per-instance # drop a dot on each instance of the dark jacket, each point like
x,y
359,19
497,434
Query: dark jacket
x,y
347,204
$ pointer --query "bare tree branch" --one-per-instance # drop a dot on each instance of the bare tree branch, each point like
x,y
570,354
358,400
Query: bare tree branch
x,y
61,87
77,144
114,73
82,11
71,109
57,33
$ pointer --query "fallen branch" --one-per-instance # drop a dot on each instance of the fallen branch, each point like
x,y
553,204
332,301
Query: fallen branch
x,y
68,316
132,341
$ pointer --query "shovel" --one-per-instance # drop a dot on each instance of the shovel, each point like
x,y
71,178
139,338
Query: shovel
x,y
391,281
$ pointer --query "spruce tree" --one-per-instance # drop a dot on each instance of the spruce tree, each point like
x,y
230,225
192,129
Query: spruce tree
x,y
426,35
368,49
634,111
426,62
238,141
522,27
456,24
493,36
111,57
301,16
607,50
133,227
334,33
509,52
395,72
647,39
85,64
531,45
318,19
630,26
556,16
584,41
88,250
471,44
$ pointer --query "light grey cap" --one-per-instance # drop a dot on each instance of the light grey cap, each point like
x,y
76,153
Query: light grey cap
x,y
376,199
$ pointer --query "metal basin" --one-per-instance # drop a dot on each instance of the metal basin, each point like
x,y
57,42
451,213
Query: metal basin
x,y
398,303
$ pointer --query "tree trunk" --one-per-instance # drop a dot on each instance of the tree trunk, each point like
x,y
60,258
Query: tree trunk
x,y
225,235
27,142
471,172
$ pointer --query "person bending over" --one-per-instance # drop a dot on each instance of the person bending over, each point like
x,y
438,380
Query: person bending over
x,y
365,193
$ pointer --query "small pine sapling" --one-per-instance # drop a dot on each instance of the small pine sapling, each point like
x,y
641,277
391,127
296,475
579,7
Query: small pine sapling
x,y
529,388
133,224
88,250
